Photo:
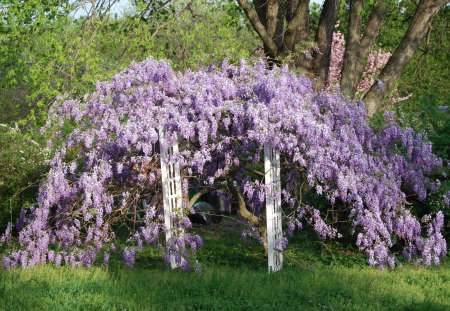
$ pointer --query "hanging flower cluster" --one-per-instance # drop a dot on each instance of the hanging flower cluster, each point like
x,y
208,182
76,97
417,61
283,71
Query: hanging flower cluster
x,y
106,178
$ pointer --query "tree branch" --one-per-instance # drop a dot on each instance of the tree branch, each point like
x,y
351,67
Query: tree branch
x,y
244,212
423,16
259,27
198,194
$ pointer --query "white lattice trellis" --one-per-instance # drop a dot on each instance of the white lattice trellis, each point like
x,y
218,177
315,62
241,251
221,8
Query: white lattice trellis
x,y
171,186
273,208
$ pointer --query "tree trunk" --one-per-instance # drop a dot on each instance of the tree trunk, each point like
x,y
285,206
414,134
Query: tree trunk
x,y
252,15
302,33
356,50
368,40
420,22
294,17
281,24
324,37
351,57
270,15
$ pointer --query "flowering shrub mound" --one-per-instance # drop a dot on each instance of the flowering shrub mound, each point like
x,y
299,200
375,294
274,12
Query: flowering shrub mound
x,y
223,117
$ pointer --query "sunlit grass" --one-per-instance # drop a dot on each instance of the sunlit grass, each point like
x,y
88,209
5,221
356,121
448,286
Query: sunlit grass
x,y
316,276
225,288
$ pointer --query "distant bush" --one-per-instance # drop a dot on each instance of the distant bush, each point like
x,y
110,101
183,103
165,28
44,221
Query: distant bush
x,y
22,165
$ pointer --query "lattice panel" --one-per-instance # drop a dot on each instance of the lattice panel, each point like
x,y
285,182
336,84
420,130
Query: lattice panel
x,y
273,207
171,186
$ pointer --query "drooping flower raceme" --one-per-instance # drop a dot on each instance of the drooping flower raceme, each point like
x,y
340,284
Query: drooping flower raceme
x,y
106,175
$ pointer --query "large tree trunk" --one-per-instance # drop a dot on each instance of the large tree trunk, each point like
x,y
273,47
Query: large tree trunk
x,y
260,28
298,31
420,22
303,31
356,50
351,48
324,38
293,27
368,40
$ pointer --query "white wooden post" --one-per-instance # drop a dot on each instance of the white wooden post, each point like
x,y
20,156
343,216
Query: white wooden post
x,y
273,207
171,188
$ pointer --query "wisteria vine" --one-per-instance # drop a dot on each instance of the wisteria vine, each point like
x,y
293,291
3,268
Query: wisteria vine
x,y
105,178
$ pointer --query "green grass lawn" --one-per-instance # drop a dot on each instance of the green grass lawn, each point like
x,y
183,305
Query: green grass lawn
x,y
225,288
316,276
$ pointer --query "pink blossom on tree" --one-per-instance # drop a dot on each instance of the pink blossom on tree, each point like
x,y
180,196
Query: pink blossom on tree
x,y
336,58
375,62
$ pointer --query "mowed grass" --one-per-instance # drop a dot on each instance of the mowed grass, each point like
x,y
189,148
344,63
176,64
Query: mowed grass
x,y
315,276
63,288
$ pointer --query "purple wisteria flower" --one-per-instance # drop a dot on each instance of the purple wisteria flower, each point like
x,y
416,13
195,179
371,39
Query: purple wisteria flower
x,y
447,198
223,116
6,237
129,254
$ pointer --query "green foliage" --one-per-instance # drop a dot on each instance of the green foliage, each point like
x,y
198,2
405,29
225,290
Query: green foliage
x,y
426,78
47,55
203,33
425,112
20,23
22,163
399,14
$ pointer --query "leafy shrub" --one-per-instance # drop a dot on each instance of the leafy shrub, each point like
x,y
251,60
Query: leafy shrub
x,y
22,165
